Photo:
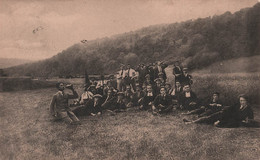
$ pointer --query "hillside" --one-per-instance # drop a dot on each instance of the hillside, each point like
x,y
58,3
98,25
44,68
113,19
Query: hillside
x,y
9,62
236,65
196,43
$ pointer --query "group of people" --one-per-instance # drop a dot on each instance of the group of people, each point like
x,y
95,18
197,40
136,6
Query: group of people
x,y
147,88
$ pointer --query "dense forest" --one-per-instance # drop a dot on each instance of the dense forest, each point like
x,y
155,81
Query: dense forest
x,y
196,43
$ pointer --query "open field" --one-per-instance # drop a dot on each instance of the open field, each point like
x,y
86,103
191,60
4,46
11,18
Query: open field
x,y
28,132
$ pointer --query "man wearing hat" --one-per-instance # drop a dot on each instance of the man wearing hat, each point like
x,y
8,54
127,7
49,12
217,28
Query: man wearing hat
x,y
162,102
59,107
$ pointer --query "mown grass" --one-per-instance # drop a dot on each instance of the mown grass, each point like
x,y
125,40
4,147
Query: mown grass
x,y
28,131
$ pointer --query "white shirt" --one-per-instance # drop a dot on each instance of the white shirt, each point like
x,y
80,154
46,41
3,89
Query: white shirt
x,y
149,94
187,94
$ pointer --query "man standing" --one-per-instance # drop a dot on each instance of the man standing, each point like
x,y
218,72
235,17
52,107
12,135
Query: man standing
x,y
59,107
120,76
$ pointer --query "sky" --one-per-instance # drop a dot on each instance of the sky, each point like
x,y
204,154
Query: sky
x,y
39,29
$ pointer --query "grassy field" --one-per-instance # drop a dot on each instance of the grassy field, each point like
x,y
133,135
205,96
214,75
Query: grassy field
x,y
28,131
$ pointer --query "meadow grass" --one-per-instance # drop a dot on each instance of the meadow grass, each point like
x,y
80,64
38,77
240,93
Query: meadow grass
x,y
29,132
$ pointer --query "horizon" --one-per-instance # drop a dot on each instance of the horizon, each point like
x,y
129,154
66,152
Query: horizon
x,y
34,30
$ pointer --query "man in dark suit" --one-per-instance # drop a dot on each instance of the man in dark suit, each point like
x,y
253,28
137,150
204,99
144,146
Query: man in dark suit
x,y
148,98
142,70
188,99
162,103
138,96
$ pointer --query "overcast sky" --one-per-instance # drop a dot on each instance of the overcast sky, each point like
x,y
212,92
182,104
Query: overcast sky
x,y
66,22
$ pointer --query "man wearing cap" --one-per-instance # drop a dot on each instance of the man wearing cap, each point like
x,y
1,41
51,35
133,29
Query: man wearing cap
x,y
148,98
59,107
188,99
162,102
148,80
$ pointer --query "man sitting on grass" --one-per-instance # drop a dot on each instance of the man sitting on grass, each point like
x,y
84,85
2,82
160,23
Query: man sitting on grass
x,y
162,103
148,98
59,107
188,99
94,106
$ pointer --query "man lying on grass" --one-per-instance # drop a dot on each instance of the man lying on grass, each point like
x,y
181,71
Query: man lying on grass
x,y
59,107
213,106
238,115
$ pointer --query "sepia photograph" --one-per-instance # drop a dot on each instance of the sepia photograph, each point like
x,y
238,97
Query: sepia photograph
x,y
130,79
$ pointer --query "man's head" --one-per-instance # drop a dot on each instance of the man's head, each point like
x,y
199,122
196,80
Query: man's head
x,y
144,86
215,96
149,88
128,66
178,84
60,86
148,77
128,88
187,88
138,88
243,99
121,67
109,92
163,91
160,75
158,82
185,70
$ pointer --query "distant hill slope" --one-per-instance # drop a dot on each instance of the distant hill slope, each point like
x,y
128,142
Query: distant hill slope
x,y
9,62
236,65
196,43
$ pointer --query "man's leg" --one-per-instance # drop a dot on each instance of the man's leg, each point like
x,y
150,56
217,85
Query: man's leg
x,y
73,116
210,119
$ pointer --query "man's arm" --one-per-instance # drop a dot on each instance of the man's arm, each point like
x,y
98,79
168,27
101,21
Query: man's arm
x,y
74,95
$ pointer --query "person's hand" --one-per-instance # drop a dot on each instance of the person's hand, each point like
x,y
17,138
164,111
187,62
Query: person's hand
x,y
192,103
219,105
